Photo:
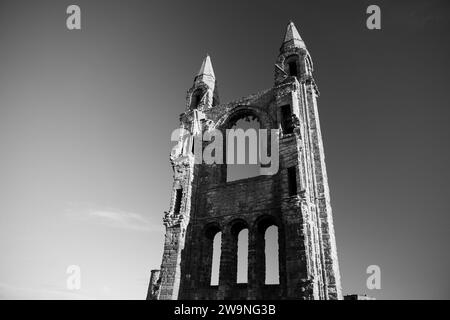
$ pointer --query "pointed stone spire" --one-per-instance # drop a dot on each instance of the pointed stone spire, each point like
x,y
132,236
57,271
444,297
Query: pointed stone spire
x,y
206,68
205,81
292,37
206,73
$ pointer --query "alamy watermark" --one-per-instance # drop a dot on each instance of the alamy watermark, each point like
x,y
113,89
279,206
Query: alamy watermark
x,y
213,153
74,279
73,21
374,280
373,21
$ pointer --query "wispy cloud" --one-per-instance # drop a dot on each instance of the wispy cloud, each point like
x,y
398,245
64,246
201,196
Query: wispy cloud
x,y
10,292
112,217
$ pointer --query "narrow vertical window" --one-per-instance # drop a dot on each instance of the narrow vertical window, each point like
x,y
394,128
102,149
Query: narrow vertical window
x,y
308,66
178,196
292,180
286,119
242,257
215,266
196,99
293,68
271,253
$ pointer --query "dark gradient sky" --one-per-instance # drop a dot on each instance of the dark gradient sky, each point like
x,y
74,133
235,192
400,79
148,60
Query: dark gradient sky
x,y
86,118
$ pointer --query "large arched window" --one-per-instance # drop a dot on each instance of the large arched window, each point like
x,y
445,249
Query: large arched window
x,y
243,163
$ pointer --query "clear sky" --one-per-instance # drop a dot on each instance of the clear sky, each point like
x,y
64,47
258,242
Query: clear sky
x,y
86,118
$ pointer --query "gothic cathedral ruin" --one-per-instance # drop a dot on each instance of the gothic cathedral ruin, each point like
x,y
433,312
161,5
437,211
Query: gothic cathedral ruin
x,y
295,199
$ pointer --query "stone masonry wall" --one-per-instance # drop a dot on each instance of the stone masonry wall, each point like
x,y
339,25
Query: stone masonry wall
x,y
308,264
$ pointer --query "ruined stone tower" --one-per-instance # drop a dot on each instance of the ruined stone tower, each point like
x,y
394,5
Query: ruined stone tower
x,y
295,199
